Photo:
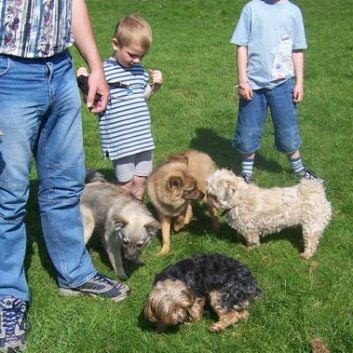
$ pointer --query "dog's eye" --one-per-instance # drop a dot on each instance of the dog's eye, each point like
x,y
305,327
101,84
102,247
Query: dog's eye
x,y
125,242
140,245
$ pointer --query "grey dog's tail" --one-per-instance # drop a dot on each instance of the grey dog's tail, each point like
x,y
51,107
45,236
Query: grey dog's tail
x,y
94,176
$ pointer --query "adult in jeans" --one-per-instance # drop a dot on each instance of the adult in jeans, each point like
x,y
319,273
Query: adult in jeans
x,y
40,116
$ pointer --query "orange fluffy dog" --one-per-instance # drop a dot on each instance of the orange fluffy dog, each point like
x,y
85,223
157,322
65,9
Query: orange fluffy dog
x,y
171,187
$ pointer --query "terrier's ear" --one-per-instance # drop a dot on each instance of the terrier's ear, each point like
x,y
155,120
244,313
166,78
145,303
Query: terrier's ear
x,y
148,310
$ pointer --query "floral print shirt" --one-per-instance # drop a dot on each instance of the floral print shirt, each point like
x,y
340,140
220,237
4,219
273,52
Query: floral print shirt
x,y
35,28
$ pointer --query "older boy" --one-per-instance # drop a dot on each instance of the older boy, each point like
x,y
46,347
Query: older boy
x,y
270,40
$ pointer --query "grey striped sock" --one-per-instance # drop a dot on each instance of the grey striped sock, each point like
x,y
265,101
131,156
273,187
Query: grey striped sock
x,y
297,165
247,166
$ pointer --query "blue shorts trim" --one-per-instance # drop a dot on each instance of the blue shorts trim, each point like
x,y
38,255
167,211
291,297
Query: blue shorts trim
x,y
252,117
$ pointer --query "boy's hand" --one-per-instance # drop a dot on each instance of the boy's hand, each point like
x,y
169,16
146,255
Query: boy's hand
x,y
156,77
298,93
245,91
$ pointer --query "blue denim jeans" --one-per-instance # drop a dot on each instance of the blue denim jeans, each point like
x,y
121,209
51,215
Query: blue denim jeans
x,y
252,116
40,116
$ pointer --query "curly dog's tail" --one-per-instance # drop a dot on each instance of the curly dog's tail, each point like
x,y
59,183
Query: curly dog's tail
x,y
94,176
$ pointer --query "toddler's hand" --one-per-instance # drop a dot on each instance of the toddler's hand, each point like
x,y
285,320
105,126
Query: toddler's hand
x,y
156,77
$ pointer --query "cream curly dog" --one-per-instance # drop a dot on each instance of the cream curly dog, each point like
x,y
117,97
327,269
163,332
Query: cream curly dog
x,y
255,212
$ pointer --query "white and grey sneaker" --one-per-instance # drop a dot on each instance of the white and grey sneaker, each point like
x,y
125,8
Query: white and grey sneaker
x,y
12,325
309,175
247,177
99,286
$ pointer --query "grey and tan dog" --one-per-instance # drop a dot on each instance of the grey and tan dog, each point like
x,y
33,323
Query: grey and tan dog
x,y
125,225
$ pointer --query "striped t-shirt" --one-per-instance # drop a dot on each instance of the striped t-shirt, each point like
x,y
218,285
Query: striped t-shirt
x,y
36,28
125,125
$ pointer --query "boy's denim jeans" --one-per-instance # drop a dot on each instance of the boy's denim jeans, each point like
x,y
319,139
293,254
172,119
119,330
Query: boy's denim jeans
x,y
252,116
40,116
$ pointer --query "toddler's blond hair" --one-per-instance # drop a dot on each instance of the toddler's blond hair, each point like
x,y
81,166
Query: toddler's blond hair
x,y
133,29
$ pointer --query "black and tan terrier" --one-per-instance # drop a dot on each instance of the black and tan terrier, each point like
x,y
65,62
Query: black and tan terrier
x,y
181,291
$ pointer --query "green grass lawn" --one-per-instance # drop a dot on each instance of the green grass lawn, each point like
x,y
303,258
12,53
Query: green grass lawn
x,y
196,108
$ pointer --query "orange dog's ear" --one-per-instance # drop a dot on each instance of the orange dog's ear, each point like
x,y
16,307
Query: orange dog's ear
x,y
182,158
175,182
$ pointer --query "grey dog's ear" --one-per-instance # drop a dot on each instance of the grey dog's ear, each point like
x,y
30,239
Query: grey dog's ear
x,y
175,182
119,222
153,227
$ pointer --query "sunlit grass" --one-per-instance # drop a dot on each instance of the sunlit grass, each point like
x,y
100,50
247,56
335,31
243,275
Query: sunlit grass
x,y
196,108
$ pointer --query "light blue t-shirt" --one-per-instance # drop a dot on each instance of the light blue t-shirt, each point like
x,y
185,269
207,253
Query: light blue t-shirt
x,y
270,32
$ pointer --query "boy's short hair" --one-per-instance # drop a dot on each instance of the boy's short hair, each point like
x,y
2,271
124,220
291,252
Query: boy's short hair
x,y
133,29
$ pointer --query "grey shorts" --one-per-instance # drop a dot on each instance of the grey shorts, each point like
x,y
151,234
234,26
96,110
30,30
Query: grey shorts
x,y
135,165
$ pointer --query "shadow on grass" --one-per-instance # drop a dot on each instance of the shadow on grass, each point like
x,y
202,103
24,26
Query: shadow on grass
x,y
201,224
34,234
96,245
231,236
292,235
148,326
223,153
198,227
